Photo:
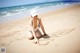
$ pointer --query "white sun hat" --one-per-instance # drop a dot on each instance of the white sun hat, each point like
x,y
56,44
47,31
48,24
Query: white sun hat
x,y
33,12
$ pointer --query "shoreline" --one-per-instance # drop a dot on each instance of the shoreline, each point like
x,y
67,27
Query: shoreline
x,y
42,15
44,10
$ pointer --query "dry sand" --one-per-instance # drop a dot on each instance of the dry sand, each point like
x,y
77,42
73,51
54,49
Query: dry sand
x,y
62,25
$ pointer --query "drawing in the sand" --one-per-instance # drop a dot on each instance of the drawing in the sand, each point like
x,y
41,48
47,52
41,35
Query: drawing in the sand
x,y
52,36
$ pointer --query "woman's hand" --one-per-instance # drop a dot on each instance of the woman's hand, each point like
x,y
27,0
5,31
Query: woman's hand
x,y
45,34
36,41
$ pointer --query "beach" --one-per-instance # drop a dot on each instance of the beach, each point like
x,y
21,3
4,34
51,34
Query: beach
x,y
62,25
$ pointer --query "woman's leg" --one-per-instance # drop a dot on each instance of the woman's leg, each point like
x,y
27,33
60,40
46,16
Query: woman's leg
x,y
38,34
30,35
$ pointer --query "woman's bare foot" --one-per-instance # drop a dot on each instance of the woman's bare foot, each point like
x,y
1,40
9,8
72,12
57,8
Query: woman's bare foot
x,y
46,36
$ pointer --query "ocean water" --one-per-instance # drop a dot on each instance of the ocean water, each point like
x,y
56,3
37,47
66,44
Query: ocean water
x,y
15,12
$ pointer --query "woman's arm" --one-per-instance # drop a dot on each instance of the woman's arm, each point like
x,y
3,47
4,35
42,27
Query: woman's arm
x,y
32,29
33,32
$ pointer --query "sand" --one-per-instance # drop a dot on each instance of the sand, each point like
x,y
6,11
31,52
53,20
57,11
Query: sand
x,y
62,25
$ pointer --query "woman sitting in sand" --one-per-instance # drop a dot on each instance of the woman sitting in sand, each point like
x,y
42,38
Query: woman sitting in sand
x,y
35,24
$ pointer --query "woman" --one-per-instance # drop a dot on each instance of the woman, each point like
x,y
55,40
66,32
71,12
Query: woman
x,y
35,25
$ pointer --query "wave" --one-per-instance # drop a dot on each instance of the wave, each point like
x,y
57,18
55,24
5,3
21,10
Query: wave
x,y
23,9
12,12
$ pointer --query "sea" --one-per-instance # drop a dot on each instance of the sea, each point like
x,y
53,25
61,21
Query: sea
x,y
22,11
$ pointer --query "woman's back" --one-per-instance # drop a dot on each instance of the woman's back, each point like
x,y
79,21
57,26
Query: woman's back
x,y
35,23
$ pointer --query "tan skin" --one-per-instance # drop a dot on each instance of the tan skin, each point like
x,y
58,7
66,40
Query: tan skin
x,y
35,26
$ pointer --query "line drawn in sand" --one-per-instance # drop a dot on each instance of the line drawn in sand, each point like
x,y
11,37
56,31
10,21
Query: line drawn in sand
x,y
45,39
56,34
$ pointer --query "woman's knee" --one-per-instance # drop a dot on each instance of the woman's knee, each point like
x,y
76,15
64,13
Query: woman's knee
x,y
30,38
38,34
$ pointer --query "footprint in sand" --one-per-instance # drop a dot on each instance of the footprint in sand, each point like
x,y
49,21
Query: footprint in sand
x,y
56,34
62,32
8,34
13,37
